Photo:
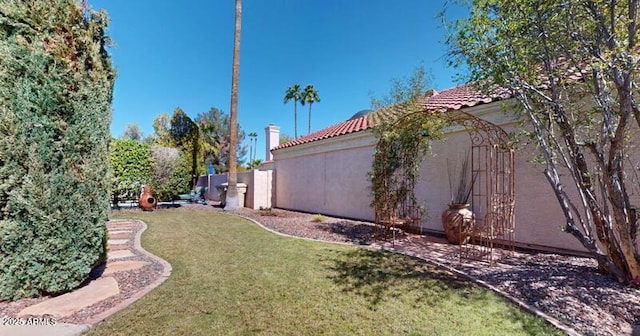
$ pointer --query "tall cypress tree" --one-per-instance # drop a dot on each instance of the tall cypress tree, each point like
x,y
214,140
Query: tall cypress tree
x,y
56,84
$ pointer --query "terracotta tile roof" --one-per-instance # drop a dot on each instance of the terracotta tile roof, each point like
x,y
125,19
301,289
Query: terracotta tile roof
x,y
345,127
451,99
461,97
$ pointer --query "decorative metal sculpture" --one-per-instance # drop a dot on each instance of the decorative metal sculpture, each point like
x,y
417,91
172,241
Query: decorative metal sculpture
x,y
493,192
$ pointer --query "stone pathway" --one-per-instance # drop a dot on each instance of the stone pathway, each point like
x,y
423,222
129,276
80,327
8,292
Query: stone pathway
x,y
67,304
124,254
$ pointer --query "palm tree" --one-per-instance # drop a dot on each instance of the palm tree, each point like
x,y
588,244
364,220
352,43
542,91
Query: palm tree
x,y
293,92
253,138
255,163
232,201
309,95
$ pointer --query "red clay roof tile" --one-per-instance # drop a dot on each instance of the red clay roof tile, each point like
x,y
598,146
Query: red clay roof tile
x,y
451,99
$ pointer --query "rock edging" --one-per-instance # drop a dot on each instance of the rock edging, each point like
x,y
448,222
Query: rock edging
x,y
166,272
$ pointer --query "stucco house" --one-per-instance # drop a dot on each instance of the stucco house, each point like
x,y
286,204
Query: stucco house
x,y
327,171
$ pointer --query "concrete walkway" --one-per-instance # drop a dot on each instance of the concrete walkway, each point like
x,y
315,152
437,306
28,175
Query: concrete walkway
x,y
124,253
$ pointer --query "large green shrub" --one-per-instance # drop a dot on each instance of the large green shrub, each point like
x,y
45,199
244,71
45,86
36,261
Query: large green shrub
x,y
131,167
56,84
170,173
178,183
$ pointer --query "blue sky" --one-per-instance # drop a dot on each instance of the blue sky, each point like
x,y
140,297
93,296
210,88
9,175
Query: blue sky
x,y
178,53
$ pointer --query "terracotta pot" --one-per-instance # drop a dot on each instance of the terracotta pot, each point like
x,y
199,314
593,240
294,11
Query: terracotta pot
x,y
147,202
458,221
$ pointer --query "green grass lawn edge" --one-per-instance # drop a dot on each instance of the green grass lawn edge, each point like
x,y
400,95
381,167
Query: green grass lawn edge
x,y
231,277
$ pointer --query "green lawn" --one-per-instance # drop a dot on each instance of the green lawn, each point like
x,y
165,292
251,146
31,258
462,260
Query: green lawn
x,y
231,277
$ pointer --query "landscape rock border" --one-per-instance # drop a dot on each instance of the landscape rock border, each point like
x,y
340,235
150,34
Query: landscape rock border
x,y
166,272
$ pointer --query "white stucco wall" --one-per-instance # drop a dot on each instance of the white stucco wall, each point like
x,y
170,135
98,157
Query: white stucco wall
x,y
259,187
537,213
330,177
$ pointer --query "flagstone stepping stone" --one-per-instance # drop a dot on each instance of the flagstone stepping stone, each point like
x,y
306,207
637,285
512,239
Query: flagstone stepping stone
x,y
117,247
122,227
67,304
118,236
119,231
117,241
118,254
120,266
57,329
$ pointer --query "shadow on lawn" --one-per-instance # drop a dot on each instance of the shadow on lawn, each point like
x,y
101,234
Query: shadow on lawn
x,y
361,234
378,276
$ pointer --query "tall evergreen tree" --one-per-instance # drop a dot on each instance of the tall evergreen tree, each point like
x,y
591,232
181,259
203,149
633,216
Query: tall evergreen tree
x,y
56,84
186,135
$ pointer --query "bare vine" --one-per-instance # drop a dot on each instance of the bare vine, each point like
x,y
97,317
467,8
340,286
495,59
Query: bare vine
x,y
400,150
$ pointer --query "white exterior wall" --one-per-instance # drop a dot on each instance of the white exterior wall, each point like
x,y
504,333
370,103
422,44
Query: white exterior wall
x,y
327,177
272,136
537,213
259,187
330,177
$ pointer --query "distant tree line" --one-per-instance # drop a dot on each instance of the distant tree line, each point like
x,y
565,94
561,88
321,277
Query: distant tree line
x,y
171,159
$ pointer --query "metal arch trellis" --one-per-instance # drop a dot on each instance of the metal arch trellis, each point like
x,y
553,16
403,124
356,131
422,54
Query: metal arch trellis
x,y
492,193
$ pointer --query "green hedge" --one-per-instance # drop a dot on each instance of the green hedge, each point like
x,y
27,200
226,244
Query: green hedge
x,y
178,183
131,168
56,83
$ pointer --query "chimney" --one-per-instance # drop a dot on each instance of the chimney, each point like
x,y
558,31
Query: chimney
x,y
273,140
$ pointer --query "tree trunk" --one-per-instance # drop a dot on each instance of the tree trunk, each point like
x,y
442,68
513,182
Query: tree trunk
x,y
194,162
232,201
309,131
116,201
295,118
